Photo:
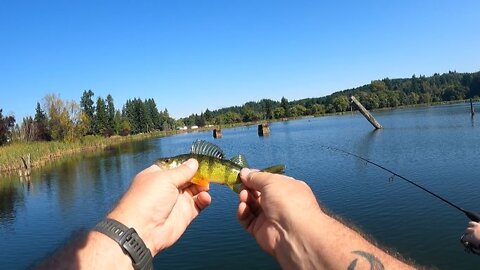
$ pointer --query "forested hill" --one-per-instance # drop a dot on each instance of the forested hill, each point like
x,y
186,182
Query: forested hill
x,y
378,94
61,120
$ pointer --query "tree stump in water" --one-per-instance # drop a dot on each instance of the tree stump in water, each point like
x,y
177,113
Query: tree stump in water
x,y
217,133
26,166
263,130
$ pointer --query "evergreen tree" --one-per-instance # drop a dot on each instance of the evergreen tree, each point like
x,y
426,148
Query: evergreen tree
x,y
286,106
110,114
208,116
41,125
117,121
267,108
129,114
189,121
154,115
101,117
248,115
146,124
168,123
40,115
86,104
137,114
200,120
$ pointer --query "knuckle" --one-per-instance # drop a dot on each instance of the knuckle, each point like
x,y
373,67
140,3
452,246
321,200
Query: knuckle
x,y
254,176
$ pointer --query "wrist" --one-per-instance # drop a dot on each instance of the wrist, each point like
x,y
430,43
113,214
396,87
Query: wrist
x,y
129,241
295,249
101,252
143,230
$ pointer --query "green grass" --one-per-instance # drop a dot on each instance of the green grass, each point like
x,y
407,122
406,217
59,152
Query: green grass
x,y
44,152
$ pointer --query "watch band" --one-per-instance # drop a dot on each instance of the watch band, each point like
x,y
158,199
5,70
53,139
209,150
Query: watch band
x,y
129,241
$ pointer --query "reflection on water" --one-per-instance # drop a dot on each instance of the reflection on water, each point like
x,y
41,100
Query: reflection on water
x,y
364,145
435,146
11,198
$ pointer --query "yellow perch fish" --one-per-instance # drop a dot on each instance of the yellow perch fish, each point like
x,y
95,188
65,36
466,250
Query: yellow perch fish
x,y
212,166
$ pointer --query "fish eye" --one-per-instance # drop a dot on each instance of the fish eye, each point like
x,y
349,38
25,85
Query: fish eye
x,y
167,160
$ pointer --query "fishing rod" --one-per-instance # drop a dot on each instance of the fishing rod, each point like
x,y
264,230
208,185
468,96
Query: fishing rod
x,y
470,214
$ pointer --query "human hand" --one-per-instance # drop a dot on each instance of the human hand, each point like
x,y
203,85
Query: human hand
x,y
273,207
286,220
161,203
472,233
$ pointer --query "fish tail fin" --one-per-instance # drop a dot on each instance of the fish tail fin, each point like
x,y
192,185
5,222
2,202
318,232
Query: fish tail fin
x,y
237,187
280,169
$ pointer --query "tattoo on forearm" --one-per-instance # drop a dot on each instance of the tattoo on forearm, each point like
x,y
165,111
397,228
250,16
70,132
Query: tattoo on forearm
x,y
375,264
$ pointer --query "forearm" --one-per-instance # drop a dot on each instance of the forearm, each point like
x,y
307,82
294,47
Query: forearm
x,y
92,251
325,243
159,205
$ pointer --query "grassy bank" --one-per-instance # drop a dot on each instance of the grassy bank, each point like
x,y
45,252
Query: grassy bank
x,y
44,152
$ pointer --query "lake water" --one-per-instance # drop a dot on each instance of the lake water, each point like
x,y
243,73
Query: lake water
x,y
437,147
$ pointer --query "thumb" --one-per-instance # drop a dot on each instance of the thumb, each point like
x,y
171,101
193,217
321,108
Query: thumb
x,y
255,179
184,173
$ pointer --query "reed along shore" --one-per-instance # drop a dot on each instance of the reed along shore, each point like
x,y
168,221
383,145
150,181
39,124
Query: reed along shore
x,y
43,152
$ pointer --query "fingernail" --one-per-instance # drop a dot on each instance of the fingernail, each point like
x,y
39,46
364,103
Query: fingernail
x,y
192,164
244,172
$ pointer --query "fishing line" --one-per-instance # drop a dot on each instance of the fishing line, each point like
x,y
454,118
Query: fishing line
x,y
471,215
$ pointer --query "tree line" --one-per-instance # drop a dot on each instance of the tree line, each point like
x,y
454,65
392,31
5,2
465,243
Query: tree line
x,y
385,93
68,120
61,120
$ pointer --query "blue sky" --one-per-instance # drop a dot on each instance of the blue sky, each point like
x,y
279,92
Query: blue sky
x,y
194,55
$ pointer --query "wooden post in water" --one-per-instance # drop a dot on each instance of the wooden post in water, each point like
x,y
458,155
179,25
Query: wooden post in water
x,y
365,113
263,130
217,133
26,168
472,110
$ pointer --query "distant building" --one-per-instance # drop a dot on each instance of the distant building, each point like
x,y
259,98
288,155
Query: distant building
x,y
182,128
194,127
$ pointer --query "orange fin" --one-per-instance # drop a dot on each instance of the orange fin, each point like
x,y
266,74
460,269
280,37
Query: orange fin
x,y
200,181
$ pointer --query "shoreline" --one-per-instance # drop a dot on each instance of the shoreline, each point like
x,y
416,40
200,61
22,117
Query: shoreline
x,y
43,152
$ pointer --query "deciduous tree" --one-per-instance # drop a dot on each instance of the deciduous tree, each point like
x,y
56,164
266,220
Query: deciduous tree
x,y
6,125
58,118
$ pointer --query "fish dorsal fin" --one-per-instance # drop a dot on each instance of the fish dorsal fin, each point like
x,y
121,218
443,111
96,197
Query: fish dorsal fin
x,y
201,147
240,160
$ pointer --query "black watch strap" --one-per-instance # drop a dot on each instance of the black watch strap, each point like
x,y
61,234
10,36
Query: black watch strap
x,y
129,241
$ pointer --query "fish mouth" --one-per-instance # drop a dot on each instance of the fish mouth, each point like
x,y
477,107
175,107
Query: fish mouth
x,y
169,163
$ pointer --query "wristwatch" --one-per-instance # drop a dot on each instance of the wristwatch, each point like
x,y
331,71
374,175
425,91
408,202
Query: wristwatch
x,y
129,241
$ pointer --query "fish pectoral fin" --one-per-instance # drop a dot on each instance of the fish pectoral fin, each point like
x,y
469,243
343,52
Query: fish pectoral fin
x,y
200,181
